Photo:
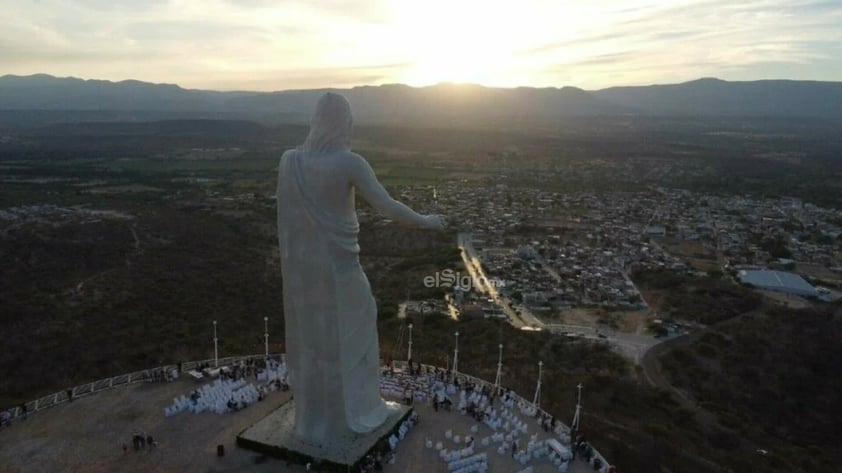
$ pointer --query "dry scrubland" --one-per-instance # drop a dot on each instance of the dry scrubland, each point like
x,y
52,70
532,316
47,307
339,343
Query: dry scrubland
x,y
85,296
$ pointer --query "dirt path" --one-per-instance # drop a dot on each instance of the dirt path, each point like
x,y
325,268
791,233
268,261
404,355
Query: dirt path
x,y
652,365
654,375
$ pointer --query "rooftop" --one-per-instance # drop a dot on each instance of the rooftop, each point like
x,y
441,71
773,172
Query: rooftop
x,y
780,280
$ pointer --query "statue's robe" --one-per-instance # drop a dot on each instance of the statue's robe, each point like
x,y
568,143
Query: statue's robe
x,y
330,314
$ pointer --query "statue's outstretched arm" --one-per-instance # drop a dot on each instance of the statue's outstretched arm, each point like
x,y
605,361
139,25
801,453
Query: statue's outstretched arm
x,y
374,193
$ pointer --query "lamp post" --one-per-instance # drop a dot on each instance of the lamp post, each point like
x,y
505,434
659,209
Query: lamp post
x,y
409,350
536,401
215,347
499,369
456,355
266,335
574,426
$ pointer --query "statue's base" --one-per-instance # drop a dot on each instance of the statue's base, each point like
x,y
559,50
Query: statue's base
x,y
274,436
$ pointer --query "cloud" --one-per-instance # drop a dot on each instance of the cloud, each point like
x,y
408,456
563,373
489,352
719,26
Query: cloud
x,y
274,44
280,79
710,38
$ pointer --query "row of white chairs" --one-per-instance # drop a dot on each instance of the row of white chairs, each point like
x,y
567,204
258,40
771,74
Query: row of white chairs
x,y
473,468
477,462
559,462
535,449
214,397
507,424
269,375
456,454
523,457
402,431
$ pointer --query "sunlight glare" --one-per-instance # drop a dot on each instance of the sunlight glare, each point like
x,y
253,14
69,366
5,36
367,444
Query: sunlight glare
x,y
458,42
484,42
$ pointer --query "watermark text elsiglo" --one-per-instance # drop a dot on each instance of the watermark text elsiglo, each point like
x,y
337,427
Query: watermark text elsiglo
x,y
458,280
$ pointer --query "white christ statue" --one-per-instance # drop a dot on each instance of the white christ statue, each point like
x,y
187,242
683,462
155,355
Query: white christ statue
x,y
332,350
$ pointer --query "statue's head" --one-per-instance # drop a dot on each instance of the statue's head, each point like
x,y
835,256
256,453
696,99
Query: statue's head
x,y
330,127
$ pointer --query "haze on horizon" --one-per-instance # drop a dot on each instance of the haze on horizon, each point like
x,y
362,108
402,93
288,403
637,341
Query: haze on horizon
x,y
287,44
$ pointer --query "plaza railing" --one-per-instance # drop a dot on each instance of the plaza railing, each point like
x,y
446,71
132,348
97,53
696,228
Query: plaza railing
x,y
160,372
562,429
146,375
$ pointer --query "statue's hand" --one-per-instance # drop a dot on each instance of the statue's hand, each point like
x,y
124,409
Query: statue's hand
x,y
435,221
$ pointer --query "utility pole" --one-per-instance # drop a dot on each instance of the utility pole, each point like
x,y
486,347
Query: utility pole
x,y
456,356
536,401
266,335
574,426
215,347
499,370
409,350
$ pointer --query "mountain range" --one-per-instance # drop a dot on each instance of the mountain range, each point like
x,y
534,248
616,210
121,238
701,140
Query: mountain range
x,y
440,105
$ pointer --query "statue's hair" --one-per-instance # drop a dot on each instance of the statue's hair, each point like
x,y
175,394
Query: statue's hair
x,y
331,125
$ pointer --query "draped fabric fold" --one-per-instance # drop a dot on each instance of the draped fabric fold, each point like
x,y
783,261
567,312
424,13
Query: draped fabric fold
x,y
330,313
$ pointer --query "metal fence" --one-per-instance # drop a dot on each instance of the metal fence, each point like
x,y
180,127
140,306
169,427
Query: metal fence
x,y
157,373
519,400
150,374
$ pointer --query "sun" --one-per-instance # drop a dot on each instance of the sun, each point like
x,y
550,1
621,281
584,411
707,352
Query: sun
x,y
461,42
503,43
454,64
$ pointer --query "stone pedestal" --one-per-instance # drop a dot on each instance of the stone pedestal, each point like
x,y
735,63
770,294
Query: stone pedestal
x,y
274,436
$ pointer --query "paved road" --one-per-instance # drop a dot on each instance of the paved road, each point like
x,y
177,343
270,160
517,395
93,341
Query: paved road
x,y
652,366
480,282
547,267
630,345
633,346
652,371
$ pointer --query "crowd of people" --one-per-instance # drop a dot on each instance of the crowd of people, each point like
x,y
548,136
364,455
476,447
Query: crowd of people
x,y
141,441
374,461
480,400
5,418
236,387
162,375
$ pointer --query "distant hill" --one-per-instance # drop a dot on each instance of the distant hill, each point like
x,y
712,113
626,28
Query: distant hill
x,y
441,105
771,98
45,92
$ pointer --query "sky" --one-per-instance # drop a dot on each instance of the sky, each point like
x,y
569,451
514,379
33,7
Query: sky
x,y
301,44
